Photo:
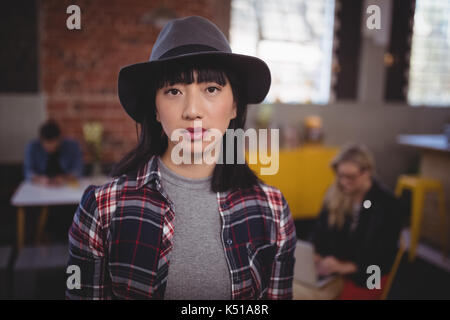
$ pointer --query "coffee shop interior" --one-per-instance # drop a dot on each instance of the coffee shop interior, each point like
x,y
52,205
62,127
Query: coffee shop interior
x,y
364,75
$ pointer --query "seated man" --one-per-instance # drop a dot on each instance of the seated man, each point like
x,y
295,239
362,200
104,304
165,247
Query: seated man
x,y
52,159
358,226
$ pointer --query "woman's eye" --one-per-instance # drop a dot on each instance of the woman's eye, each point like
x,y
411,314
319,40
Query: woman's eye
x,y
212,89
173,91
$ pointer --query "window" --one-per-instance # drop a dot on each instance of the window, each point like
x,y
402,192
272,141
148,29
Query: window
x,y
295,38
429,73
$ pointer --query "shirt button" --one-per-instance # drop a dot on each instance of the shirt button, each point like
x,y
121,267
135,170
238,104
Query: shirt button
x,y
229,242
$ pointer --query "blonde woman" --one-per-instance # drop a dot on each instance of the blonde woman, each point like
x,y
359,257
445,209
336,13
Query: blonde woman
x,y
358,226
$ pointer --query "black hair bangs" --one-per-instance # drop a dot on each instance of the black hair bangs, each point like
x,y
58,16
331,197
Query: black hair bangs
x,y
184,72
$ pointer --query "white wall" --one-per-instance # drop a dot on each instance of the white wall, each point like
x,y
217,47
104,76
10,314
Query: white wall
x,y
20,118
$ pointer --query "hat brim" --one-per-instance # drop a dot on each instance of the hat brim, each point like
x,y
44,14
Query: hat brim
x,y
253,72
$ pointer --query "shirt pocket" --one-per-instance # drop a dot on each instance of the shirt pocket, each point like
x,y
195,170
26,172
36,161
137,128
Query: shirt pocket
x,y
261,257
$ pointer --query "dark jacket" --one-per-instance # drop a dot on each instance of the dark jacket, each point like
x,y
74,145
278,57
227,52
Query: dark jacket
x,y
373,240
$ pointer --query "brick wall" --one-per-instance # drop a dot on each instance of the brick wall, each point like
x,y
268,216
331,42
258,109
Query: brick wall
x,y
79,68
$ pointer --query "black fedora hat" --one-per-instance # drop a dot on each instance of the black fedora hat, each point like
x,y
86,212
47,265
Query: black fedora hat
x,y
182,39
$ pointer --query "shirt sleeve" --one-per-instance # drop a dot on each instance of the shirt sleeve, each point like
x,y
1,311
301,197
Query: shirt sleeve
x,y
280,284
87,251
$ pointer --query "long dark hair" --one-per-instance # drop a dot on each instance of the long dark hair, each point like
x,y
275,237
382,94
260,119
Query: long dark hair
x,y
153,141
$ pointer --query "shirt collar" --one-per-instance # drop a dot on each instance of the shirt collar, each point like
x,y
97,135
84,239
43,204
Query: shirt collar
x,y
149,173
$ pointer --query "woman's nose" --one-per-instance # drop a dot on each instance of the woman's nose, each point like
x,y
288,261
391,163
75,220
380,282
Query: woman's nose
x,y
193,108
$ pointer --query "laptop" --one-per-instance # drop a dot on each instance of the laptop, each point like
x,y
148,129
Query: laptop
x,y
305,269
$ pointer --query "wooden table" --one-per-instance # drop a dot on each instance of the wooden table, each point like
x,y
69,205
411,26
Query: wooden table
x,y
434,163
330,291
30,194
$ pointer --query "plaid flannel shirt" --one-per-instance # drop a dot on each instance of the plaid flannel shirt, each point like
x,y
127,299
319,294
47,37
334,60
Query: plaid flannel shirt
x,y
121,239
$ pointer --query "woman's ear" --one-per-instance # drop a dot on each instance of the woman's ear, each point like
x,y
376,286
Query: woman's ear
x,y
157,116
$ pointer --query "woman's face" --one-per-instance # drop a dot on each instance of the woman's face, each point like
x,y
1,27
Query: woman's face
x,y
351,178
206,103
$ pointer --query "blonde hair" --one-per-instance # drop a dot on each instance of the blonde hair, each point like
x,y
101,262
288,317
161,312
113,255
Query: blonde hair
x,y
339,204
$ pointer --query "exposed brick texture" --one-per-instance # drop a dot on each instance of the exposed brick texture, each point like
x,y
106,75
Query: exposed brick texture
x,y
79,68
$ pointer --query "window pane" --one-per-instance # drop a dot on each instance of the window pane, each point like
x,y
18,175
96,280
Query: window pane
x,y
429,74
295,38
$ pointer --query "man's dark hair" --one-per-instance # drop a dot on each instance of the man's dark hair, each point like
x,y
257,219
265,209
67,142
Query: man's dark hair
x,y
49,130
152,140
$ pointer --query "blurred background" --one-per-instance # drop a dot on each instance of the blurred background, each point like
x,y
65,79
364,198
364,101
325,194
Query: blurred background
x,y
334,81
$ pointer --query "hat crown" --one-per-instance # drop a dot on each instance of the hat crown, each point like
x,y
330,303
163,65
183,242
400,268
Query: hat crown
x,y
193,33
181,40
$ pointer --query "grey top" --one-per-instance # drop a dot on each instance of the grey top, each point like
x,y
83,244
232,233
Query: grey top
x,y
198,268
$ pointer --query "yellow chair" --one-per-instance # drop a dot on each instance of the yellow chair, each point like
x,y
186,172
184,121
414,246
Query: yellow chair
x,y
419,186
394,269
303,177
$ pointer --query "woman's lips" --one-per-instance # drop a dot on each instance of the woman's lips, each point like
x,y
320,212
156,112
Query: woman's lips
x,y
196,134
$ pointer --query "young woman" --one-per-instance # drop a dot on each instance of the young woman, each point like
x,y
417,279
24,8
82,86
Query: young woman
x,y
359,225
165,229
